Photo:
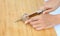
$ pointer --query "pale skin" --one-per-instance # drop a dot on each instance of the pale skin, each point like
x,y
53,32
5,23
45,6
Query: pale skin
x,y
46,20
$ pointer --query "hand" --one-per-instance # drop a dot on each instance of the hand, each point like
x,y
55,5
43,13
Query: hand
x,y
50,6
42,21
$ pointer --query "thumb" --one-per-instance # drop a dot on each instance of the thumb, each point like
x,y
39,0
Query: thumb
x,y
48,10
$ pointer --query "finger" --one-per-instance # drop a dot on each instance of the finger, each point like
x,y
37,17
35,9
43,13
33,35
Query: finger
x,y
32,19
40,28
35,22
48,11
26,22
50,26
36,26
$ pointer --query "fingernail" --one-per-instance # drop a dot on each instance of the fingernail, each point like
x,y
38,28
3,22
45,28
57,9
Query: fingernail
x,y
26,22
43,12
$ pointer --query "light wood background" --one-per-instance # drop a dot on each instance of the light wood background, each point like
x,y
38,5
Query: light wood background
x,y
11,10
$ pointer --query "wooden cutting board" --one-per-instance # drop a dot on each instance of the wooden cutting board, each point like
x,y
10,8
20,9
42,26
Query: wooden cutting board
x,y
11,10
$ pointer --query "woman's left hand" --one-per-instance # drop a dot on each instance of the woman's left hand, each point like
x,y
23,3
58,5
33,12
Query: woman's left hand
x,y
42,21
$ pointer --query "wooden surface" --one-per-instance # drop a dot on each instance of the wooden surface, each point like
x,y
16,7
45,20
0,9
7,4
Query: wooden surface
x,y
11,10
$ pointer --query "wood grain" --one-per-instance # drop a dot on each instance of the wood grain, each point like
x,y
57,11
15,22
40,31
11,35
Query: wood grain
x,y
11,10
